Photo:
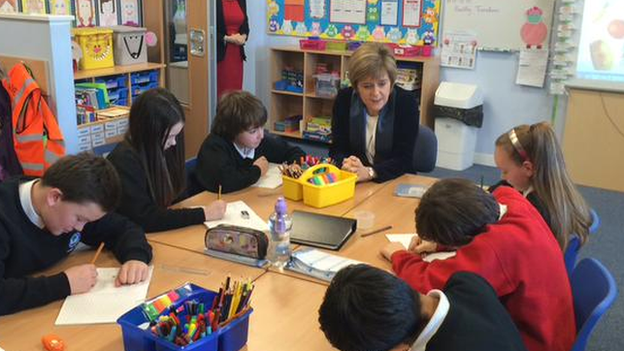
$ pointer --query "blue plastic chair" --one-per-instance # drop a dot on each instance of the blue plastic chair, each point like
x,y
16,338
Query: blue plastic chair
x,y
192,186
425,150
574,245
595,221
594,291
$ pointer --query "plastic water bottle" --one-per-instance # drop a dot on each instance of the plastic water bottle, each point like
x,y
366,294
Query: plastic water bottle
x,y
280,224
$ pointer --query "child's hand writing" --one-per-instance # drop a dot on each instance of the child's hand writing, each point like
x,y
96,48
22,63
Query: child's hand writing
x,y
263,164
132,272
422,247
215,210
81,278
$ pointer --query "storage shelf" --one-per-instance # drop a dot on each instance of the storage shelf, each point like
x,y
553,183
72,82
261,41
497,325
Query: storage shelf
x,y
102,72
285,92
297,135
314,96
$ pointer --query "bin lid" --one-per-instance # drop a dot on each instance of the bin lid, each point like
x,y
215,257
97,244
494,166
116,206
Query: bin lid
x,y
127,29
458,95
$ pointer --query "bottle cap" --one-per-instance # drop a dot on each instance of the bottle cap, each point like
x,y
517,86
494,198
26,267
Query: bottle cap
x,y
281,206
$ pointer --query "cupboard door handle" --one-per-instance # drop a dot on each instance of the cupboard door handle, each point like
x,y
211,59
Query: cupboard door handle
x,y
198,42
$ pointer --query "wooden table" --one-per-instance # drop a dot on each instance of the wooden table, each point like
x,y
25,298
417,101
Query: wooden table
x,y
285,304
262,202
23,331
286,315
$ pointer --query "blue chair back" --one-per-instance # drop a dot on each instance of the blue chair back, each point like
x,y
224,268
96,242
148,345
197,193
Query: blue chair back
x,y
192,186
571,253
425,150
595,221
574,245
594,291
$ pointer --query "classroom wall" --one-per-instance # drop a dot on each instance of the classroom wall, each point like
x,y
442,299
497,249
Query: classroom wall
x,y
46,38
506,104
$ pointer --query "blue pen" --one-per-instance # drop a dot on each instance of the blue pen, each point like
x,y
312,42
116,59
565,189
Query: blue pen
x,y
173,333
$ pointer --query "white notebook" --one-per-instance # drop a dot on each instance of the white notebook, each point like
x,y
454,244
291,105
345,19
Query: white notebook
x,y
318,264
272,179
405,239
240,214
105,303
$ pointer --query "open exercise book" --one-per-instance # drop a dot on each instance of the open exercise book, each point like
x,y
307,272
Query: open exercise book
x,y
405,239
317,263
271,179
240,214
104,303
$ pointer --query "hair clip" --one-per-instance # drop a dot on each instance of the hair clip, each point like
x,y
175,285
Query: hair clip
x,y
515,142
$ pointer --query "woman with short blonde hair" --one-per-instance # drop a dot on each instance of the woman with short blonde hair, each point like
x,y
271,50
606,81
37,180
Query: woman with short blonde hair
x,y
375,123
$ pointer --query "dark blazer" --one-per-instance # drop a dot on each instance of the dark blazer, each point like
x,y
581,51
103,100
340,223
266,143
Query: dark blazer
x,y
476,319
136,200
219,163
395,138
244,29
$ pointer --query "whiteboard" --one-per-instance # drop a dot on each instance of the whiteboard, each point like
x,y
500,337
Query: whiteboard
x,y
499,24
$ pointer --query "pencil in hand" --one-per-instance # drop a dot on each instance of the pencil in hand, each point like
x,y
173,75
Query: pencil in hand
x,y
97,253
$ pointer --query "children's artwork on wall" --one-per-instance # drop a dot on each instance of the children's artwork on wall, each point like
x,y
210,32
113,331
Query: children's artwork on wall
x,y
60,7
412,22
294,10
8,6
107,13
130,12
34,7
85,13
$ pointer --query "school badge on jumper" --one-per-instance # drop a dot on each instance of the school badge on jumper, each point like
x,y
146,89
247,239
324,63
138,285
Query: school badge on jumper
x,y
73,241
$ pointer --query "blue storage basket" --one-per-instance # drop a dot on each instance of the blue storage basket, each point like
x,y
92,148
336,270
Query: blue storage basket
x,y
232,337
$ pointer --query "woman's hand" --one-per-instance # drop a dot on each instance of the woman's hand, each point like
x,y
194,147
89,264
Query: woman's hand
x,y
354,165
237,39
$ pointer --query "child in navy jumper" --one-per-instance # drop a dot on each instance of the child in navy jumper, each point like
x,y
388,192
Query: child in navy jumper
x,y
43,220
237,152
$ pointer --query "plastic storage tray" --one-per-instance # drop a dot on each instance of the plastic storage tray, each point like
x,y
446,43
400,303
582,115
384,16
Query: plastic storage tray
x,y
231,337
97,47
320,195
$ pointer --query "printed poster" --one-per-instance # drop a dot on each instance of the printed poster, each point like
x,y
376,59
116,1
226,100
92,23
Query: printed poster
x,y
317,9
389,12
85,13
459,49
412,10
347,11
130,13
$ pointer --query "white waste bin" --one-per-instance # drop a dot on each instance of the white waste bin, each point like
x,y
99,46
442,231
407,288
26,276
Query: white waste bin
x,y
458,113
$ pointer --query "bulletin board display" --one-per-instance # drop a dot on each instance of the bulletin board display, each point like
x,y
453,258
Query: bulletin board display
x,y
412,22
501,25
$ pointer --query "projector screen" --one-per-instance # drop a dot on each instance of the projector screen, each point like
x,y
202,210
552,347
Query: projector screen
x,y
600,61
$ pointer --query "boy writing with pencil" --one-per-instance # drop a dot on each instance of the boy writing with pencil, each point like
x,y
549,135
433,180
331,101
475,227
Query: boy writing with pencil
x,y
366,308
43,220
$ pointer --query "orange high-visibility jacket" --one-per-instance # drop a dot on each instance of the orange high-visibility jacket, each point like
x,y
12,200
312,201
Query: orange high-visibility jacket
x,y
37,137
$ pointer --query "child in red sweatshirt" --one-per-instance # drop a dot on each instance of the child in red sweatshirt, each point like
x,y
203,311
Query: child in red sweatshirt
x,y
504,239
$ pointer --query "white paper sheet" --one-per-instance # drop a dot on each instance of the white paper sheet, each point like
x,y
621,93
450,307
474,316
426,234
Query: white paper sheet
x,y
234,216
405,239
412,10
104,303
532,67
272,179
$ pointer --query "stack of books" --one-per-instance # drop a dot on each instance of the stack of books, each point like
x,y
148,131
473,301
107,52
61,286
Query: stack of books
x,y
318,128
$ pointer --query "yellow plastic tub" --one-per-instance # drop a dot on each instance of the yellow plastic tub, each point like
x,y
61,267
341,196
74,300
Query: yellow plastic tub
x,y
293,190
329,194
